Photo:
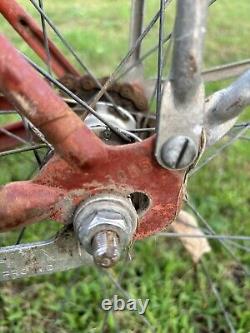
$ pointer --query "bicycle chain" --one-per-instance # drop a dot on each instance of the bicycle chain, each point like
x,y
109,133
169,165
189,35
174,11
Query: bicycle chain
x,y
129,96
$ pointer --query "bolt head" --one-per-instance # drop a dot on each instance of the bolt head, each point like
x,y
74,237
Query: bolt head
x,y
107,134
178,152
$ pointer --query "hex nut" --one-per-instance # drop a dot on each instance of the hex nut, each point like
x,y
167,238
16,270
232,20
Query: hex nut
x,y
105,212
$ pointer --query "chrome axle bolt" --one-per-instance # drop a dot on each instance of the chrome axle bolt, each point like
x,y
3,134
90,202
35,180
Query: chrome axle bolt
x,y
106,248
178,152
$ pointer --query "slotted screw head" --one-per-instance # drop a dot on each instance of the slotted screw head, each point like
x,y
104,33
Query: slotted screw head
x,y
178,152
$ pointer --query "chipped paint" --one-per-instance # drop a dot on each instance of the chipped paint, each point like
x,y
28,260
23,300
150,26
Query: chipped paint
x,y
83,165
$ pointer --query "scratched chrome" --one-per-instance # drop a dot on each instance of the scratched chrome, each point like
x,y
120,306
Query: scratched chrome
x,y
63,252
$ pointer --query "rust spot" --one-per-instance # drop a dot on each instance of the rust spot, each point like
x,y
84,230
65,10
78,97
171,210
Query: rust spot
x,y
23,21
128,95
85,163
128,169
235,104
192,65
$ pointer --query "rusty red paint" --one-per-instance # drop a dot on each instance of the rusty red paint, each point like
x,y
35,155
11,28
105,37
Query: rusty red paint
x,y
128,169
17,128
35,99
24,202
8,142
30,31
83,165
5,104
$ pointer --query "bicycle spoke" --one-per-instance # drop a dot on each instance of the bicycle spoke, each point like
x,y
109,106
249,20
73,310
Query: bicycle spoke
x,y
136,24
222,241
239,246
71,50
211,2
153,129
30,139
150,52
120,71
8,112
157,83
218,297
219,150
78,100
207,233
45,37
10,134
120,278
20,236
122,63
208,236
19,139
60,36
246,124
141,130
247,138
22,150
117,286
160,58
143,57
40,163
242,137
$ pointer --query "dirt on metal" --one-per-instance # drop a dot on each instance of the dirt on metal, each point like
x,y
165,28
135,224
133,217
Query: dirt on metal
x,y
83,165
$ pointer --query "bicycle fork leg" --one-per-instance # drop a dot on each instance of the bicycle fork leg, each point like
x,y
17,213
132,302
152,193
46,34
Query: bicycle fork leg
x,y
182,106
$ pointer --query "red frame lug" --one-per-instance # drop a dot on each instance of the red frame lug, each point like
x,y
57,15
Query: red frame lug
x,y
128,169
82,165
59,188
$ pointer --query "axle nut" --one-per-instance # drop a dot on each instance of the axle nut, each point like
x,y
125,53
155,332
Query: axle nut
x,y
105,224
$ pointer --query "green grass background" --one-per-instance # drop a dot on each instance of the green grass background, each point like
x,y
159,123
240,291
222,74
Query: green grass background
x,y
181,300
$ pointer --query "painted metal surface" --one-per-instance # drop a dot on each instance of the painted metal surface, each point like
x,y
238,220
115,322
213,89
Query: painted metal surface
x,y
5,104
44,108
30,31
23,202
59,188
224,107
136,27
83,165
8,142
183,97
127,95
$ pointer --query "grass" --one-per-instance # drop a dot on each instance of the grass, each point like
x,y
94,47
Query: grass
x,y
181,300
